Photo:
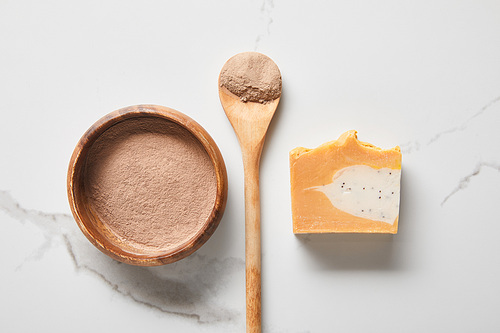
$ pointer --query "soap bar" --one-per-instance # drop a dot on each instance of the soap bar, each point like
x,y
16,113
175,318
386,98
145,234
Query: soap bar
x,y
345,186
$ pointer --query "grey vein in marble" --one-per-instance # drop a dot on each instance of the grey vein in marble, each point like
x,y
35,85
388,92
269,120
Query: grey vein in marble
x,y
464,182
187,288
409,147
463,126
266,10
412,146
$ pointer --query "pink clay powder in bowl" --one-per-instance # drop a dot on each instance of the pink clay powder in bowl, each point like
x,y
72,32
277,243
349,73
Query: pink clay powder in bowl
x,y
147,185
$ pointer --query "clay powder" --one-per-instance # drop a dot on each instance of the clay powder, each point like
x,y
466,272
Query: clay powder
x,y
151,183
252,76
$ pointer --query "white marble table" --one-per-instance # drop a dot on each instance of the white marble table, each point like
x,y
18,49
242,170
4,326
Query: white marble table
x,y
424,75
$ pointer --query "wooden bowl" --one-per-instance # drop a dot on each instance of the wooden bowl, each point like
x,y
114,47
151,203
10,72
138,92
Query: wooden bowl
x,y
91,225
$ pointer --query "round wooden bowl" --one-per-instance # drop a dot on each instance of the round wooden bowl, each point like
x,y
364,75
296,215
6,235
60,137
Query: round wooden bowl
x,y
91,225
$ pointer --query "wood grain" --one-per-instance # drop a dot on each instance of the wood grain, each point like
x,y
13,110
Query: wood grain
x,y
250,122
96,231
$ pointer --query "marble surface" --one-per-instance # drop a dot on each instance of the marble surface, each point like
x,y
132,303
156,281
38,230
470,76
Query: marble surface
x,y
424,75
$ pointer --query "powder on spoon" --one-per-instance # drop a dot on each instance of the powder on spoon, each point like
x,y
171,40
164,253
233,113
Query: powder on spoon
x,y
252,76
151,183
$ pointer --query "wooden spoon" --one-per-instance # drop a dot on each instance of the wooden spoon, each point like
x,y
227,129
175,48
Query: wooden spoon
x,y
248,85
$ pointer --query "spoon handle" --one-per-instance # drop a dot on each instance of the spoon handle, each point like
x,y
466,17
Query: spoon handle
x,y
252,241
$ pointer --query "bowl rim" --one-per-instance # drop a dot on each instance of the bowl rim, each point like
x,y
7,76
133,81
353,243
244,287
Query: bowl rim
x,y
78,159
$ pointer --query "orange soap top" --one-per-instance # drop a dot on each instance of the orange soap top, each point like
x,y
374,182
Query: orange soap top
x,y
345,186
